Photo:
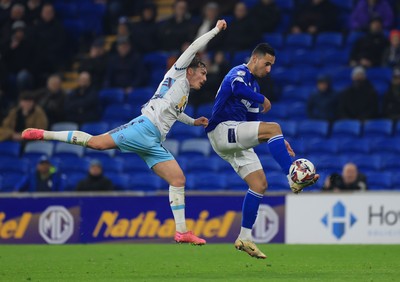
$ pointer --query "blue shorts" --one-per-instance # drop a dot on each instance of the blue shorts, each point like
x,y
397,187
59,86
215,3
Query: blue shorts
x,y
142,137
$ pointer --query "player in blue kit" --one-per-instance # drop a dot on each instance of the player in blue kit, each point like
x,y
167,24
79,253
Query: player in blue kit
x,y
234,130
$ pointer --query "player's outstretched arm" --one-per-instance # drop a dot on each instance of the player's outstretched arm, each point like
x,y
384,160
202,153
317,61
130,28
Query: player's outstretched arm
x,y
266,106
201,121
187,56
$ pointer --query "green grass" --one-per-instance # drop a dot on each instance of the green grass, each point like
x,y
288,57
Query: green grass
x,y
213,262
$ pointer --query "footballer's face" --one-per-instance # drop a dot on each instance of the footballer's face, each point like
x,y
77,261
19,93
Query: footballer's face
x,y
197,77
262,65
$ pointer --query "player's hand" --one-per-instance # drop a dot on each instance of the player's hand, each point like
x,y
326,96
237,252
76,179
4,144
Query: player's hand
x,y
289,149
266,106
221,24
201,121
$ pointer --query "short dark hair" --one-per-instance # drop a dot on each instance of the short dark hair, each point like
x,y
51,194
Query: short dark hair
x,y
262,49
196,63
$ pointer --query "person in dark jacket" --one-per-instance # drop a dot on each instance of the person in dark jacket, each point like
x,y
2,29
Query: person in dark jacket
x,y
391,99
349,180
44,179
95,181
322,104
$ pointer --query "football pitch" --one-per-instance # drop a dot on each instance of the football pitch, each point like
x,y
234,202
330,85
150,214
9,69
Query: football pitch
x,y
213,262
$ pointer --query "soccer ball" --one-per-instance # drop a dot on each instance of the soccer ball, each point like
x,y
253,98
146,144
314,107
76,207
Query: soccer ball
x,y
302,171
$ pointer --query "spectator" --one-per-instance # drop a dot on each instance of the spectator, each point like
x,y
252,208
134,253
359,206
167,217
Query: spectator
x,y
50,42
144,32
242,33
350,180
33,11
359,100
17,14
125,69
45,178
391,56
96,63
322,104
82,104
315,16
95,181
176,30
123,31
366,10
210,18
18,54
26,115
368,50
5,7
267,14
51,99
391,100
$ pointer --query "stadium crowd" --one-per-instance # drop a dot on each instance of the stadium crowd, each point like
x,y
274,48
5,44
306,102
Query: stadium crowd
x,y
336,82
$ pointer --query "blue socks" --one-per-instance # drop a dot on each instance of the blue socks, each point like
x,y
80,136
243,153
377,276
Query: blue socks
x,y
251,203
279,152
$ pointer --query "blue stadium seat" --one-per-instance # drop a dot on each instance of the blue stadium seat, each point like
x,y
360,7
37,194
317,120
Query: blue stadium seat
x,y
156,60
20,166
74,28
102,156
205,110
289,128
313,128
285,5
306,58
328,164
298,146
284,59
235,183
322,146
391,164
95,128
146,182
195,147
390,145
285,76
342,74
72,179
223,166
351,145
329,40
397,129
379,181
367,163
10,148
240,57
133,164
190,111
39,148
172,145
378,128
276,40
140,96
297,111
277,181
296,94
62,149
181,131
352,37
118,112
72,165
208,181
200,164
269,164
346,128
278,111
64,126
309,75
120,181
113,165
396,181
110,96
331,58
380,73
296,41
9,180
380,86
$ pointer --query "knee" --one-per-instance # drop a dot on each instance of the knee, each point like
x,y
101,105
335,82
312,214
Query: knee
x,y
178,181
261,187
268,130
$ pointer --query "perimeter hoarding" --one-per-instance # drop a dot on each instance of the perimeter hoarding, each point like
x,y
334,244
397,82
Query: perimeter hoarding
x,y
63,220
371,218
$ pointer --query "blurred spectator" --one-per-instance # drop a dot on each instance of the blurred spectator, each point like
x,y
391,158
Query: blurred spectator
x,y
315,16
96,63
242,33
5,7
125,69
116,9
391,56
17,14
366,10
368,50
18,57
95,181
209,19
267,15
81,105
391,100
350,180
359,100
34,8
45,178
176,30
50,42
123,31
322,104
144,32
27,114
51,99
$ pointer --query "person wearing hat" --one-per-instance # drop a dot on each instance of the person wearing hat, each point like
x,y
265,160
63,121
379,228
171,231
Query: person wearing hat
x,y
391,99
95,180
44,179
322,104
25,114
359,100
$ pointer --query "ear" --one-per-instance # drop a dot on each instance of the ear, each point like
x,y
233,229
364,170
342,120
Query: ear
x,y
190,71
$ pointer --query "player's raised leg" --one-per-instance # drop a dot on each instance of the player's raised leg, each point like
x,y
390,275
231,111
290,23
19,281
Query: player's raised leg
x,y
99,142
257,185
171,172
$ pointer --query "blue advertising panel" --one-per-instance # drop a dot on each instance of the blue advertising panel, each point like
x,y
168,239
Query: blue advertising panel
x,y
132,219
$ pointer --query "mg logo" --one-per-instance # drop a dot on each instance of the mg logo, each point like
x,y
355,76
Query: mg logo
x,y
56,225
266,225
339,220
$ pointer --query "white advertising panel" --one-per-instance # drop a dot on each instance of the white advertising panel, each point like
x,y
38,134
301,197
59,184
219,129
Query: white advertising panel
x,y
372,218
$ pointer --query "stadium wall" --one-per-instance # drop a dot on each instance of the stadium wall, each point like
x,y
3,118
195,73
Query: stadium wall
x,y
370,218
